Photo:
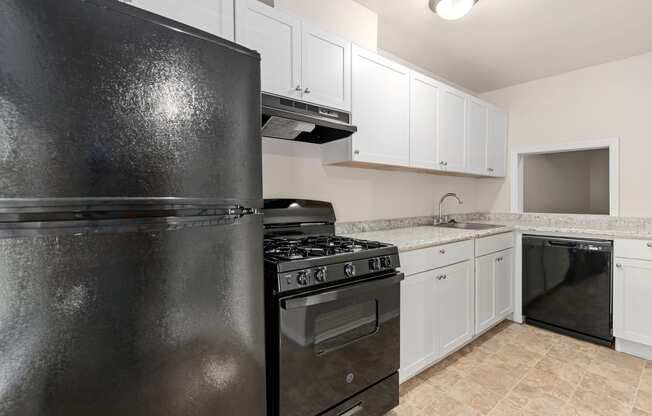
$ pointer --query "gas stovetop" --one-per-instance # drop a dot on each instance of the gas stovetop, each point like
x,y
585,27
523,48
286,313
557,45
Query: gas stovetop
x,y
302,250
307,261
289,249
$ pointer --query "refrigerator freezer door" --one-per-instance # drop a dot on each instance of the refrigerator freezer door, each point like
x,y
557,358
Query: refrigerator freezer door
x,y
99,99
135,319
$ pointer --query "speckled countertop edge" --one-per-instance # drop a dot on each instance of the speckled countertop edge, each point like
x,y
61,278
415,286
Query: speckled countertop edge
x,y
416,233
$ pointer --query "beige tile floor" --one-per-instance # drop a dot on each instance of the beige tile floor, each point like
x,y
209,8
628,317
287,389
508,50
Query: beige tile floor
x,y
519,370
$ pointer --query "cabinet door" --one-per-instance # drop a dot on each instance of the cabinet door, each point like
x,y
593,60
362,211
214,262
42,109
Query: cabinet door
x,y
476,145
212,16
497,143
632,295
276,36
485,293
452,129
418,346
325,68
454,306
424,102
380,109
504,283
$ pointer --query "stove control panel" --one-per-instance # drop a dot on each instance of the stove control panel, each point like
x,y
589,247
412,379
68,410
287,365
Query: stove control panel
x,y
301,279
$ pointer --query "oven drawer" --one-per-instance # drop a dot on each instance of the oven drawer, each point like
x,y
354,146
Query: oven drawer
x,y
376,400
336,342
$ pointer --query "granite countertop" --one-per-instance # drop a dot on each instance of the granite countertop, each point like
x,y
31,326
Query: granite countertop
x,y
415,233
414,238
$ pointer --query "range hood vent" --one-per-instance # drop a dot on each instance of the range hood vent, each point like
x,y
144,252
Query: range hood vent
x,y
295,120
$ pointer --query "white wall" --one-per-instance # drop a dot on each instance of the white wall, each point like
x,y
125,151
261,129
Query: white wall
x,y
295,170
603,101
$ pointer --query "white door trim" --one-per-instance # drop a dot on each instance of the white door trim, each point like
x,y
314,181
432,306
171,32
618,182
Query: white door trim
x,y
516,167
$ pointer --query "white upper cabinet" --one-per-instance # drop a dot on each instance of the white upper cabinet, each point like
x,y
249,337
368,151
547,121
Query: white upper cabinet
x,y
325,68
277,37
380,109
476,145
424,113
298,60
497,143
212,16
452,129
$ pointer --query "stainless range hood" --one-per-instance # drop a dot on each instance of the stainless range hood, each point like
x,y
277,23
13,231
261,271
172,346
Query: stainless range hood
x,y
288,119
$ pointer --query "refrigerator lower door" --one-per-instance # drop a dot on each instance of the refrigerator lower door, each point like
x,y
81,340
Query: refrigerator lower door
x,y
141,317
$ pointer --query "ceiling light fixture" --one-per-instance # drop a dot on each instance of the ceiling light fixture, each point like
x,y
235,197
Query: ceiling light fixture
x,y
452,9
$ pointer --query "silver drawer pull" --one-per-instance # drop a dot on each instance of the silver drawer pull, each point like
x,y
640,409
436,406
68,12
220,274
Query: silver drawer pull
x,y
298,88
619,266
499,259
649,245
442,251
442,277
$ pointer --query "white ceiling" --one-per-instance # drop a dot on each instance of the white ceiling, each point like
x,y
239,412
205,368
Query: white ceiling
x,y
507,42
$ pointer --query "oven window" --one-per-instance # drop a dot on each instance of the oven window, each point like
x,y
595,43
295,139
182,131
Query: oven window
x,y
346,325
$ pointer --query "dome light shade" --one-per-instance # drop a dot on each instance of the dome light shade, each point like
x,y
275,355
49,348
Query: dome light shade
x,y
452,9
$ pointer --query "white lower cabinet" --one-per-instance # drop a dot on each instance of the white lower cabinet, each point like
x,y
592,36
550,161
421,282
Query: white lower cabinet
x,y
454,306
449,297
494,282
419,348
633,300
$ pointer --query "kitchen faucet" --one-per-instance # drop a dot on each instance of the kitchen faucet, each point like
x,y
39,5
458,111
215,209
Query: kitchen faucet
x,y
441,219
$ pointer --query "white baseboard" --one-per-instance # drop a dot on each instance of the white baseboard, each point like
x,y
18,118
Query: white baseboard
x,y
634,348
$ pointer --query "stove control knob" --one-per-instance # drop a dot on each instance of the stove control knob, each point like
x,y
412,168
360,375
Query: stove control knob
x,y
302,278
320,275
386,262
349,270
374,264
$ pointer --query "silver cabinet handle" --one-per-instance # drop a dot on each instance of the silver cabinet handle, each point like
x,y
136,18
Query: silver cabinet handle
x,y
490,169
442,277
307,91
298,88
443,163
442,251
356,152
499,259
619,266
649,245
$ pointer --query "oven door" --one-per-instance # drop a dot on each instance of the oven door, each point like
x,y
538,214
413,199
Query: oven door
x,y
336,342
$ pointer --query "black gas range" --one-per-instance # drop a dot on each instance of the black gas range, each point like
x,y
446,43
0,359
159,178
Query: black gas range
x,y
333,315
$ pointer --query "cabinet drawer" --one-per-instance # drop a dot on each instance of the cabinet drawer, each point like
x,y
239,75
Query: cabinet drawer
x,y
488,245
633,249
418,261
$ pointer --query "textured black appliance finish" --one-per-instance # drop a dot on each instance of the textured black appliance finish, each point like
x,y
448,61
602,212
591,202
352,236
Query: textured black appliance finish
x,y
100,99
131,318
333,336
131,262
568,286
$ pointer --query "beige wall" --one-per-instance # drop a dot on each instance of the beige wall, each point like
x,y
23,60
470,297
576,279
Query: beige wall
x,y
295,170
604,101
571,183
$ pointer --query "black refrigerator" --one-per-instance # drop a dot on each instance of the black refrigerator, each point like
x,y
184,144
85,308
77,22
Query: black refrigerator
x,y
130,230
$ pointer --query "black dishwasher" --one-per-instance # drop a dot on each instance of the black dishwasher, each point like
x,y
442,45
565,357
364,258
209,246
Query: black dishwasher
x,y
567,286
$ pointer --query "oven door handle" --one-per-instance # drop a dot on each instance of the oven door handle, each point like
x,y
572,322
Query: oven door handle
x,y
340,293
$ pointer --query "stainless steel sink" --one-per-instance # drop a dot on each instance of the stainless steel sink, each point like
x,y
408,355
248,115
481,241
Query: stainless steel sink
x,y
468,226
